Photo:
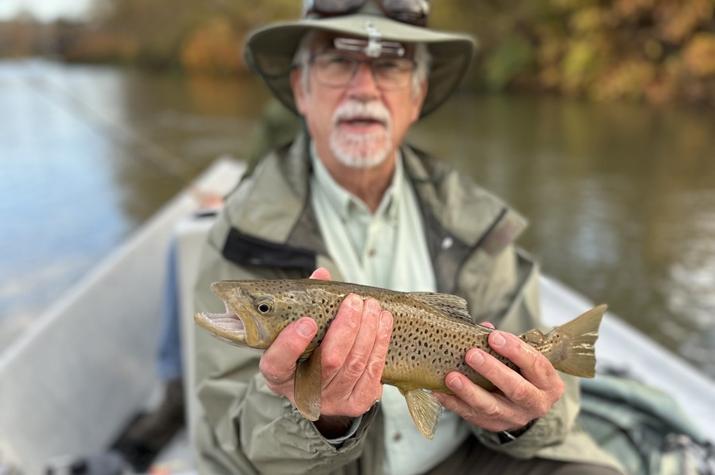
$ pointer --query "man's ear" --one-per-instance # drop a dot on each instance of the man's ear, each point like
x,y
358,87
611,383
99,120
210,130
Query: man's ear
x,y
296,84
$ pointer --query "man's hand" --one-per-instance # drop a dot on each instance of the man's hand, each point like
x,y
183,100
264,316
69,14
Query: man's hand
x,y
353,357
522,398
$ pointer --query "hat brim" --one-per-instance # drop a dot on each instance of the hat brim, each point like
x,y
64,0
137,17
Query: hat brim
x,y
270,51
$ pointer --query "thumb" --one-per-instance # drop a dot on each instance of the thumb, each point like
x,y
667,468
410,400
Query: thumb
x,y
321,273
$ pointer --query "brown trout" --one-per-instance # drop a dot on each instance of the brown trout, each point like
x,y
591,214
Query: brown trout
x,y
431,335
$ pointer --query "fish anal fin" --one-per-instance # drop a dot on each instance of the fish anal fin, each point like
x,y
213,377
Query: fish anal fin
x,y
451,305
307,385
424,409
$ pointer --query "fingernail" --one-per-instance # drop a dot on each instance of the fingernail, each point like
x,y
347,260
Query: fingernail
x,y
455,382
475,357
497,339
305,328
355,302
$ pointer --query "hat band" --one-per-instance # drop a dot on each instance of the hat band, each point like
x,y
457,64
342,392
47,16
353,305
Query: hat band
x,y
413,12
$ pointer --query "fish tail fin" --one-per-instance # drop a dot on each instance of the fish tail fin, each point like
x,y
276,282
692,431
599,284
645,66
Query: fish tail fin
x,y
574,342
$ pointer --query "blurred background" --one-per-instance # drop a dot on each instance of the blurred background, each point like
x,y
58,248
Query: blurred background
x,y
594,118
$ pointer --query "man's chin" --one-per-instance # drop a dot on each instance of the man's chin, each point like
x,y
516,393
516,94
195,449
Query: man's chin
x,y
358,151
361,159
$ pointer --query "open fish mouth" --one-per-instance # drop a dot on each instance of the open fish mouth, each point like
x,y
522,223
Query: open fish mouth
x,y
227,325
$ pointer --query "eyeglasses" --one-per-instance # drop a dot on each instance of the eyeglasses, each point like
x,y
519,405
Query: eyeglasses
x,y
337,69
414,12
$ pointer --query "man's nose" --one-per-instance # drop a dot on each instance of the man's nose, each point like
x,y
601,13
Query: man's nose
x,y
363,83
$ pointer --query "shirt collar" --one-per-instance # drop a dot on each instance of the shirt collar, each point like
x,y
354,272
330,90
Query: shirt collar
x,y
344,202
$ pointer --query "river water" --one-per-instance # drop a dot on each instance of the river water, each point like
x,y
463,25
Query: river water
x,y
621,197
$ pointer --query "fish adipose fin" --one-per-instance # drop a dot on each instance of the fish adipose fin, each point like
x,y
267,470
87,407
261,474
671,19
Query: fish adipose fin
x,y
306,387
451,305
424,409
573,343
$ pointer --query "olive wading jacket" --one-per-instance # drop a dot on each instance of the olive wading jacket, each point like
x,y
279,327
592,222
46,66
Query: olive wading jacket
x,y
268,230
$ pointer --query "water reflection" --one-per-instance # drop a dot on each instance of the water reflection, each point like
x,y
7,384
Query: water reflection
x,y
88,154
621,197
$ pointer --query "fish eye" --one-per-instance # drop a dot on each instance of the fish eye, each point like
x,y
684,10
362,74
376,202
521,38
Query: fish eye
x,y
263,308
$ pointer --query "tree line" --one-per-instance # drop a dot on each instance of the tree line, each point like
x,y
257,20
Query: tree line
x,y
651,50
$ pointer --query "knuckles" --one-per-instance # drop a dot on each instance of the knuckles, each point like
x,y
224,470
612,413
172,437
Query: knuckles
x,y
559,387
522,393
543,367
355,366
331,362
493,411
269,373
541,410
266,369
374,369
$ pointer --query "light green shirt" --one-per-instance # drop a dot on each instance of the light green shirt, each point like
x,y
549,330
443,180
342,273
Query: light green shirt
x,y
385,249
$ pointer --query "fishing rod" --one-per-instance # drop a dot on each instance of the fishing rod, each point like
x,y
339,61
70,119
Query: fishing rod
x,y
157,155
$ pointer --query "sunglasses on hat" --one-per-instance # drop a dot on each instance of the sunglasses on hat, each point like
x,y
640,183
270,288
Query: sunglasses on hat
x,y
413,12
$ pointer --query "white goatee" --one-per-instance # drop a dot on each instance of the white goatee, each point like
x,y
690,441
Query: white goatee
x,y
361,150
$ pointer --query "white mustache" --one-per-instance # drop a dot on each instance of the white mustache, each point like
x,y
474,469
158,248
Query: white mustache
x,y
352,109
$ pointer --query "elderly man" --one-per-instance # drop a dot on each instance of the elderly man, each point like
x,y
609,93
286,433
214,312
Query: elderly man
x,y
348,198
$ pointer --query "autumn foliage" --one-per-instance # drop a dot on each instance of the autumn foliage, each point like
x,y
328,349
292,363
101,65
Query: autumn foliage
x,y
650,50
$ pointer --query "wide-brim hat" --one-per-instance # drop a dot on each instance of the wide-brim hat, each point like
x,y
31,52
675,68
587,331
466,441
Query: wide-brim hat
x,y
270,51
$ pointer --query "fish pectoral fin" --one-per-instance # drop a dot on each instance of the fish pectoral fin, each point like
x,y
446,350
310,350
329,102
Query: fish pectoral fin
x,y
424,409
451,305
306,389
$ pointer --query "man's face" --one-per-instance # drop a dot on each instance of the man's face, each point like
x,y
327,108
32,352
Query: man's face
x,y
361,123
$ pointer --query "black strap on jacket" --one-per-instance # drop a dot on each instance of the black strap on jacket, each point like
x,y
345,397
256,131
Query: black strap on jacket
x,y
246,250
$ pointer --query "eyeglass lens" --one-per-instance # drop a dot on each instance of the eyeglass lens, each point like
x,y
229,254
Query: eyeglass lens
x,y
338,70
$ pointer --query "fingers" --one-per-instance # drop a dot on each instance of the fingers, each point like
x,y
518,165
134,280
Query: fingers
x,y
511,383
535,367
369,383
341,335
353,354
523,397
321,273
278,363
488,325
360,353
488,410
352,368
475,397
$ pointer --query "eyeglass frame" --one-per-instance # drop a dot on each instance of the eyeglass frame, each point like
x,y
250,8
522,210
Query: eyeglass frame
x,y
355,63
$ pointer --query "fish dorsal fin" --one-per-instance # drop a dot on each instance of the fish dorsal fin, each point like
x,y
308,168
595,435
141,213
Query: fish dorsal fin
x,y
424,409
306,389
451,305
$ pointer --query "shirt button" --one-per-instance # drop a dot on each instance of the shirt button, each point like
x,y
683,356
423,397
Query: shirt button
x,y
447,242
396,437
371,253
